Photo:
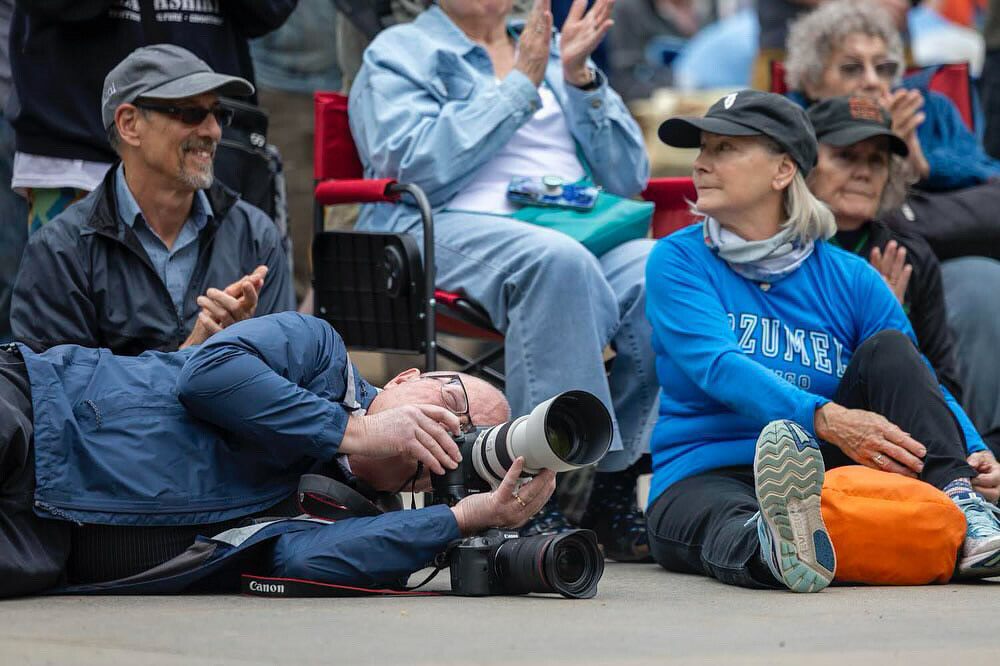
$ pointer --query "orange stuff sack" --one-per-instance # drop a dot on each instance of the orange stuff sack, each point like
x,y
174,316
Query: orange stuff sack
x,y
888,529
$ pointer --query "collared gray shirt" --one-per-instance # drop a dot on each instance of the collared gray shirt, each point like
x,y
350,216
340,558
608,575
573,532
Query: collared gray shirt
x,y
175,265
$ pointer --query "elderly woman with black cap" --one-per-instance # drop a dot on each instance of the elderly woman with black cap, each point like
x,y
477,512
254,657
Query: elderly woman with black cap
x,y
859,175
758,323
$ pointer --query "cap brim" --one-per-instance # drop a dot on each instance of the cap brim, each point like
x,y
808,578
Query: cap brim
x,y
851,135
201,82
686,132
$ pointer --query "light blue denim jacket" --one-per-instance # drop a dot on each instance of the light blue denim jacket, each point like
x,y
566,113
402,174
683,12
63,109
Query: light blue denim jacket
x,y
425,109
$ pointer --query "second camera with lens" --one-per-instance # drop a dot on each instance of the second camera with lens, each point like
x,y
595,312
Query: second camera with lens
x,y
501,562
566,432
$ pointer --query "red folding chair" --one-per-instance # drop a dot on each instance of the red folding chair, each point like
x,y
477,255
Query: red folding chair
x,y
372,286
672,199
951,80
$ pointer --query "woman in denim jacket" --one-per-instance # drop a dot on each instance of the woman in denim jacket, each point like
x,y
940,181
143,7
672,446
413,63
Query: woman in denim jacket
x,y
458,103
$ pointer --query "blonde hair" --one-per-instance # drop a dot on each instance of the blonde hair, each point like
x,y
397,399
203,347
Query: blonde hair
x,y
808,217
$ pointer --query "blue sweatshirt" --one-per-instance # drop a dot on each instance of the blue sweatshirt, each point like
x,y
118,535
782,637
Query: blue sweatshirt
x,y
733,354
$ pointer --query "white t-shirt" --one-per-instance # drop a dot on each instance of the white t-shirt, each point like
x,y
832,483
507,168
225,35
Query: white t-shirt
x,y
542,146
42,171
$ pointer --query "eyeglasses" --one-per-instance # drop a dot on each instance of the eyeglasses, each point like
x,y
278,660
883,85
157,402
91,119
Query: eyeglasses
x,y
190,115
453,395
886,70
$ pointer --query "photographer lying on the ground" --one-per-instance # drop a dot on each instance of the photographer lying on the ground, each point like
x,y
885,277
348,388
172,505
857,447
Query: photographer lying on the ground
x,y
112,465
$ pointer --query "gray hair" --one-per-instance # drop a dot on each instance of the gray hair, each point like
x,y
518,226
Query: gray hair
x,y
813,38
115,139
897,185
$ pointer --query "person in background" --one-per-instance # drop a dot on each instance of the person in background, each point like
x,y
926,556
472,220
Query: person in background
x,y
458,104
291,63
61,50
860,173
848,47
143,262
642,26
989,85
13,207
775,17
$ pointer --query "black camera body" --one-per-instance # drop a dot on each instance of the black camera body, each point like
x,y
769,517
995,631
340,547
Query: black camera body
x,y
454,484
471,562
502,562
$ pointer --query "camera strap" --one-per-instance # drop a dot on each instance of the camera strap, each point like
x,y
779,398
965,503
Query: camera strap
x,y
272,586
322,497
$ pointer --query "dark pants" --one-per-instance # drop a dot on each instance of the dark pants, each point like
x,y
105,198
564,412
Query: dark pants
x,y
33,550
699,524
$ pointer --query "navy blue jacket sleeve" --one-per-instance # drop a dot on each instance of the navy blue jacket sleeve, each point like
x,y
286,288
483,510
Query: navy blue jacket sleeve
x,y
282,380
374,551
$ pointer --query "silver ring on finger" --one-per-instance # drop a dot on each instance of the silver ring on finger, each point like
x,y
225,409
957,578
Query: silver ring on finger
x,y
519,500
879,460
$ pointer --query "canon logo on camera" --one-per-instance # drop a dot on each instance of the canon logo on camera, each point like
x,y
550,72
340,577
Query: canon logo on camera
x,y
270,588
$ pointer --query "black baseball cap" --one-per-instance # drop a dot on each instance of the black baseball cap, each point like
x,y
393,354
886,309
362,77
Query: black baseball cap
x,y
749,113
844,121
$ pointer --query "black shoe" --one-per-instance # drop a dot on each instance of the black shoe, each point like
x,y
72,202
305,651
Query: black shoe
x,y
614,514
549,520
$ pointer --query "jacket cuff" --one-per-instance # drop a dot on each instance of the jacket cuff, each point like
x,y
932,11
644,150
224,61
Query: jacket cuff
x,y
522,94
327,442
806,414
592,103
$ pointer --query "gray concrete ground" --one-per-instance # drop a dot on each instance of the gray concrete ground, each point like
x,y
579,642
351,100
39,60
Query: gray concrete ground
x,y
642,615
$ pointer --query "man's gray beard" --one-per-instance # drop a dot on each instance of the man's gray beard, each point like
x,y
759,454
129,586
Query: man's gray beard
x,y
197,181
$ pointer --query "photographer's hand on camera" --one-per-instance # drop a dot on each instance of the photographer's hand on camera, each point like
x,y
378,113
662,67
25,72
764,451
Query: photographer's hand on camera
x,y
417,433
501,507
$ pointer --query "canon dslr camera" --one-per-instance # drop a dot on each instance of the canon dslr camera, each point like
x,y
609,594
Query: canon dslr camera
x,y
566,432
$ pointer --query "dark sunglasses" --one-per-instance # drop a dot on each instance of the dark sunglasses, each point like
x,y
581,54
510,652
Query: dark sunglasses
x,y
189,115
855,70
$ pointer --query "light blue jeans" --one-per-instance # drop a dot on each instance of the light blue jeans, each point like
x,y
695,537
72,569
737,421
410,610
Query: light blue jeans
x,y
558,306
971,286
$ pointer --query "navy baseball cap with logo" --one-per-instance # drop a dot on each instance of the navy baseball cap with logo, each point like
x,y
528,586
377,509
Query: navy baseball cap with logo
x,y
844,121
164,71
749,113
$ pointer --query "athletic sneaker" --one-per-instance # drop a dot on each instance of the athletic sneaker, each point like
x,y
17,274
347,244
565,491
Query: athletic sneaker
x,y
788,478
981,549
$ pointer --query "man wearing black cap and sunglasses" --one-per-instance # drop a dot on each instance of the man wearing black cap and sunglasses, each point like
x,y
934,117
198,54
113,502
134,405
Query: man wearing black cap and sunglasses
x,y
160,256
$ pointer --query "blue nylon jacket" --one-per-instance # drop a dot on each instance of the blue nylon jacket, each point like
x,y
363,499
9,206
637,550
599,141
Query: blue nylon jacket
x,y
425,109
201,435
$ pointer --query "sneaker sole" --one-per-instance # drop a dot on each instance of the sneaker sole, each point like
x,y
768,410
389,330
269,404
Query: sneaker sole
x,y
981,565
788,478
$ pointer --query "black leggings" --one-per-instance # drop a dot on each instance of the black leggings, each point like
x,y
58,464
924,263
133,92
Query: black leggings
x,y
699,524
